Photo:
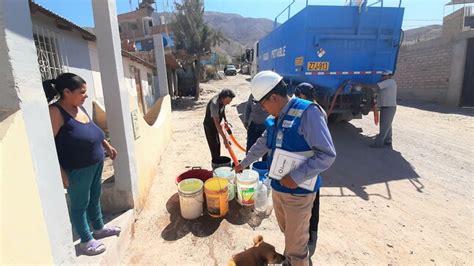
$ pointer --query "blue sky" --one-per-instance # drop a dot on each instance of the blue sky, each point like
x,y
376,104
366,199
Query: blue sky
x,y
417,12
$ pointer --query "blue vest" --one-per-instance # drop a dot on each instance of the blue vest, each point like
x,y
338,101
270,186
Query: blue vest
x,y
288,139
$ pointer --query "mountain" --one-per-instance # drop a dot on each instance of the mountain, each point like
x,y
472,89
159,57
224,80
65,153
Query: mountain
x,y
422,34
241,32
244,31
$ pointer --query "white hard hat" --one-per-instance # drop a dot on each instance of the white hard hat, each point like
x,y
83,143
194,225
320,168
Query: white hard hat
x,y
263,83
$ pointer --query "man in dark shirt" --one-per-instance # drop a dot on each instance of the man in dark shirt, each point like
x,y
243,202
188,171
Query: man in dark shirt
x,y
215,112
254,121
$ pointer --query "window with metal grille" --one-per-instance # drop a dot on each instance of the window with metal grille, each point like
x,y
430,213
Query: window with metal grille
x,y
50,60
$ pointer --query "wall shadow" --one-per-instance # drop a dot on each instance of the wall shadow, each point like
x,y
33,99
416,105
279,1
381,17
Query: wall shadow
x,y
357,165
437,107
206,225
186,104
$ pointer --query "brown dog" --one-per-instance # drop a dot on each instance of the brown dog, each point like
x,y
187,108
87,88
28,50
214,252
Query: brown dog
x,y
260,254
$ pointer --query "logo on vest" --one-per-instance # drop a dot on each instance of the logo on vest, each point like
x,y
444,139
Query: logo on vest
x,y
287,123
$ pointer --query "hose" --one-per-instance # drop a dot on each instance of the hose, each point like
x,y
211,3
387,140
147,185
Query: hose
x,y
228,128
375,110
376,115
230,150
335,96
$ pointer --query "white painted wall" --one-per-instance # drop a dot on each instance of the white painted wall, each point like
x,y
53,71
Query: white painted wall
x,y
75,49
149,96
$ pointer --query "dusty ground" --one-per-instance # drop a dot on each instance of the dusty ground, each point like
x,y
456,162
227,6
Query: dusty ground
x,y
409,205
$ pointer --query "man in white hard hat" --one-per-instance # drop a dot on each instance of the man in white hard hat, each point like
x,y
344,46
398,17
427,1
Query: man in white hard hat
x,y
296,126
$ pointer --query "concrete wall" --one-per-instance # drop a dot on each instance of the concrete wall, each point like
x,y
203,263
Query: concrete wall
x,y
20,199
151,145
458,62
35,224
423,70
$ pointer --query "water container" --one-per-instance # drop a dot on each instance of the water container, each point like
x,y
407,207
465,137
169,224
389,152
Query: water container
x,y
216,196
261,198
247,183
195,172
220,161
190,198
229,174
267,183
261,168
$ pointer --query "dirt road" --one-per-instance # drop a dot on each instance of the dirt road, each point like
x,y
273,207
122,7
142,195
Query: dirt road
x,y
409,205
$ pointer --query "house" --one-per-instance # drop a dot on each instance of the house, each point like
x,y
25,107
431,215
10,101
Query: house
x,y
138,31
126,98
441,70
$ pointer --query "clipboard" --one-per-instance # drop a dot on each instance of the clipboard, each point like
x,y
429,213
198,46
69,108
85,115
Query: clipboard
x,y
284,162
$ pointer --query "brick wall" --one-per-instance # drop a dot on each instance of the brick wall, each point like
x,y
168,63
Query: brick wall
x,y
423,70
453,23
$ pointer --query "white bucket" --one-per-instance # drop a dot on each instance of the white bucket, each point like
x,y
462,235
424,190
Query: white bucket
x,y
247,183
229,174
191,198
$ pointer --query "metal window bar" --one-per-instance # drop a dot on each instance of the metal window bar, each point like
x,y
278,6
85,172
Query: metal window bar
x,y
50,57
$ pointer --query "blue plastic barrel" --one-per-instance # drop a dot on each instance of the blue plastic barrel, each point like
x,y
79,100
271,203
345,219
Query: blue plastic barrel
x,y
261,168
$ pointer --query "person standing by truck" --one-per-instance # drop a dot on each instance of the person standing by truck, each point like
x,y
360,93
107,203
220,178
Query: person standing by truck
x,y
386,91
295,126
387,102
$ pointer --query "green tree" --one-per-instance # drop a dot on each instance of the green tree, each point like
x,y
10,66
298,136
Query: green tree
x,y
193,35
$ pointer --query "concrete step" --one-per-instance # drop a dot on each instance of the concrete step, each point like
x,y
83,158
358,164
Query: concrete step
x,y
115,246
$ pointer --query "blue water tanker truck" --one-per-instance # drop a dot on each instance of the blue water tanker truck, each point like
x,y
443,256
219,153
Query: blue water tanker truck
x,y
333,48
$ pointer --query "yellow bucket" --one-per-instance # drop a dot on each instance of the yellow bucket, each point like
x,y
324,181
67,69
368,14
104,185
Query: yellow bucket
x,y
216,196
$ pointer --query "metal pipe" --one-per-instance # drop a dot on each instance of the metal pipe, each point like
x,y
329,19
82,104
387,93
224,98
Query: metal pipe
x,y
374,3
288,7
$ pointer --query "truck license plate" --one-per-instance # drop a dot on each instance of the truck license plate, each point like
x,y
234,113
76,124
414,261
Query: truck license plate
x,y
318,66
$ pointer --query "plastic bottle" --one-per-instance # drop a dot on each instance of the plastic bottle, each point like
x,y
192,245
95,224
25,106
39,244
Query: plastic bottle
x,y
269,207
261,198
